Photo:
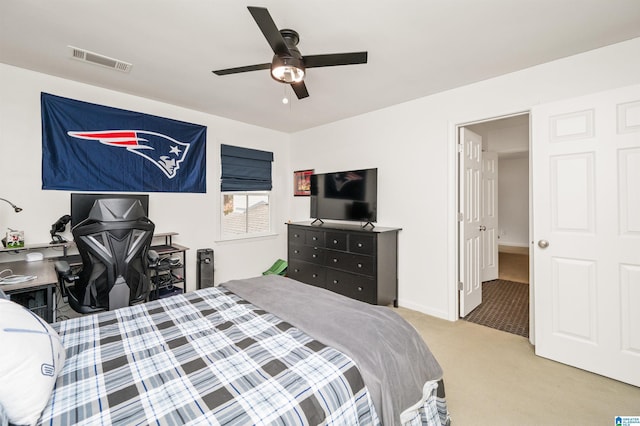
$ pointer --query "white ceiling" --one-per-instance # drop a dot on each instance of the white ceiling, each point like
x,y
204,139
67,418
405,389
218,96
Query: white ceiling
x,y
416,48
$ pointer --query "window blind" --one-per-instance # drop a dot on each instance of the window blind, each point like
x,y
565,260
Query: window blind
x,y
245,169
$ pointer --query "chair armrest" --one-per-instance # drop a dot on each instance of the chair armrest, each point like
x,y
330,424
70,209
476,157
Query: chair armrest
x,y
153,258
64,271
62,267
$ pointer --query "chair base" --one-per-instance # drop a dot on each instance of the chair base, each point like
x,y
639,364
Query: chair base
x,y
119,294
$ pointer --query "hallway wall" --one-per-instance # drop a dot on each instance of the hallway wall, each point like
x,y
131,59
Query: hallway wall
x,y
513,200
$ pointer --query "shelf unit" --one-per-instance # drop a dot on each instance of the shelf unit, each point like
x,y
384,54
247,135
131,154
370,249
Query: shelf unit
x,y
39,246
36,300
168,275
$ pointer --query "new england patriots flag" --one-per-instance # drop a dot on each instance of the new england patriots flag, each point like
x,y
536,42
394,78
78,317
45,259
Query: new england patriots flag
x,y
89,147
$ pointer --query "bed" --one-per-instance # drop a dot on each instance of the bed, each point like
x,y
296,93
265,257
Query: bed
x,y
265,350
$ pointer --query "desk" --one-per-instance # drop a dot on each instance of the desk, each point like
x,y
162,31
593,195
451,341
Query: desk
x,y
46,280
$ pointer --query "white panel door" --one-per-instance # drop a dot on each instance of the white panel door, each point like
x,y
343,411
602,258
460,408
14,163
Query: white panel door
x,y
470,244
586,228
489,227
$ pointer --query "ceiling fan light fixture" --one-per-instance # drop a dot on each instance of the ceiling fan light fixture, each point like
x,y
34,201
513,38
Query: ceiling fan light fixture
x,y
287,70
288,66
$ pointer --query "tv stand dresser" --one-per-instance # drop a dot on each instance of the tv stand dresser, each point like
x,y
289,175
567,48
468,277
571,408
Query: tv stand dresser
x,y
357,262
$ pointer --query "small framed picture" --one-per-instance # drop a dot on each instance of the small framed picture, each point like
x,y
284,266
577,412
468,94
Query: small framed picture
x,y
302,183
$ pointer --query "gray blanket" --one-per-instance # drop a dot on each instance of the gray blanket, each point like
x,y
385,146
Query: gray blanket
x,y
393,359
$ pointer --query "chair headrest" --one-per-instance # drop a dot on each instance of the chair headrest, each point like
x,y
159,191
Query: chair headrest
x,y
116,210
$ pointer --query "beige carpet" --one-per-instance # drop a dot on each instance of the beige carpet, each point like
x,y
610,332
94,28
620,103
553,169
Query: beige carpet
x,y
494,378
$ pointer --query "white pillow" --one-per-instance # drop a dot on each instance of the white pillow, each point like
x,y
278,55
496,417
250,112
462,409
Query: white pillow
x,y
4,420
31,356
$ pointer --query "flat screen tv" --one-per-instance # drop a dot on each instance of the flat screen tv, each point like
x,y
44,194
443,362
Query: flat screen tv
x,y
81,204
349,195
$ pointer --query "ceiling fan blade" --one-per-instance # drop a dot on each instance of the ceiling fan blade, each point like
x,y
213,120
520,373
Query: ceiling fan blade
x,y
330,60
300,89
242,69
268,27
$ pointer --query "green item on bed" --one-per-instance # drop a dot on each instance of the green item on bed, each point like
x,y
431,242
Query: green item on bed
x,y
278,268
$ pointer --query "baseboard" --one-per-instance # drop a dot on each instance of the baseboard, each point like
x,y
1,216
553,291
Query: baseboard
x,y
513,249
423,309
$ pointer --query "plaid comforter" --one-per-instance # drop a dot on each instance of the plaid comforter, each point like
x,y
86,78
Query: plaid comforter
x,y
205,357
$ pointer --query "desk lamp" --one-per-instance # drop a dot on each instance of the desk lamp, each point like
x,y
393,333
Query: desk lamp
x,y
16,208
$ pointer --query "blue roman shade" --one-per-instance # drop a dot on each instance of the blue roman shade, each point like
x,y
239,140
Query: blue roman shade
x,y
245,169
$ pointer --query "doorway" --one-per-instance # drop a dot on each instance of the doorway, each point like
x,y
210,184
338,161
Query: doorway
x,y
506,302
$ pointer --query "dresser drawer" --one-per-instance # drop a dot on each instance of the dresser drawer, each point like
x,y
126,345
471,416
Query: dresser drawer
x,y
363,244
353,286
306,253
315,238
358,263
297,235
307,273
336,241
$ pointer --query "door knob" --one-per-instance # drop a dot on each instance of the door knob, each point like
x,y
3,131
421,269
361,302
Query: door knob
x,y
543,244
483,228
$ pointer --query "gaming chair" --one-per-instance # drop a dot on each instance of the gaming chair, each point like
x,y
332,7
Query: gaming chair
x,y
113,243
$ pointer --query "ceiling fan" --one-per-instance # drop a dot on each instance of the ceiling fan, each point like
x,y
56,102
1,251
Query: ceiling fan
x,y
288,65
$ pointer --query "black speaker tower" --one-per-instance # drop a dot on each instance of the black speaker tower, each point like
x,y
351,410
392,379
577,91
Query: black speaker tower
x,y
204,273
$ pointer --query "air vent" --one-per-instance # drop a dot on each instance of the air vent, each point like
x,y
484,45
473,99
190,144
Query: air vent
x,y
94,58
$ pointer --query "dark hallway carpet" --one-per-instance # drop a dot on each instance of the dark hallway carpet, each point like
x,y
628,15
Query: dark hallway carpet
x,y
505,306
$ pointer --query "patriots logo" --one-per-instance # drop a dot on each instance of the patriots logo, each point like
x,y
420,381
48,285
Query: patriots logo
x,y
163,151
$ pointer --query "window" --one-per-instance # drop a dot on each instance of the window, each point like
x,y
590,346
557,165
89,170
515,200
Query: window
x,y
245,185
245,213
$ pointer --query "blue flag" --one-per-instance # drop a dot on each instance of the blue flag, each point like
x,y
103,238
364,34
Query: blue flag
x,y
89,147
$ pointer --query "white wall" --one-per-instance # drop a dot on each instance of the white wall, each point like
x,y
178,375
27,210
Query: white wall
x,y
412,145
513,200
509,137
194,216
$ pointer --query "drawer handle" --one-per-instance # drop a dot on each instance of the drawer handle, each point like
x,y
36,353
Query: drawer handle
x,y
315,238
296,251
296,270
359,244
359,288
359,265
335,241
335,281
314,255
296,235
335,260
315,275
